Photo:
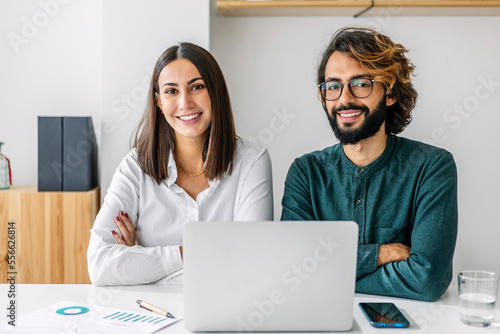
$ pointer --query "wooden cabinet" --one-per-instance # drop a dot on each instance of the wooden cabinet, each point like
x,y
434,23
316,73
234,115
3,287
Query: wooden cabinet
x,y
51,234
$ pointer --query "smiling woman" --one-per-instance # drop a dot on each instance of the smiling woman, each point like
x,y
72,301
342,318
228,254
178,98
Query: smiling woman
x,y
187,164
184,100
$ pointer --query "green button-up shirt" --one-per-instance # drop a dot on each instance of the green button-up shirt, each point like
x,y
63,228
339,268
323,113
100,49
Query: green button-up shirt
x,y
408,195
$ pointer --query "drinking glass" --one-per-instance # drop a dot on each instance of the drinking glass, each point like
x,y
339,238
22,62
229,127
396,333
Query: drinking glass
x,y
477,291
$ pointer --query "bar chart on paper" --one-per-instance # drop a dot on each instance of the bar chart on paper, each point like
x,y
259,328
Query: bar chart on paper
x,y
66,315
133,318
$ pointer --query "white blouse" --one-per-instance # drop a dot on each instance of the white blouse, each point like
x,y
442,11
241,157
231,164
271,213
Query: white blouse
x,y
159,213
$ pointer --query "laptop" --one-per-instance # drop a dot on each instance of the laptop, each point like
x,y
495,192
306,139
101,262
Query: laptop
x,y
269,276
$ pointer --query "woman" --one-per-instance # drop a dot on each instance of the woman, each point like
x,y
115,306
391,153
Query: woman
x,y
187,164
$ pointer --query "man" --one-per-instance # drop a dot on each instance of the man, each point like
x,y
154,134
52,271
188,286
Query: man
x,y
402,193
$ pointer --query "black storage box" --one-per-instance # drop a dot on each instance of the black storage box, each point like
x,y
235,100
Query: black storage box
x,y
67,154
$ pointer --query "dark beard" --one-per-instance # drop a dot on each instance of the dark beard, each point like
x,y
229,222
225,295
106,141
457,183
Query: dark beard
x,y
371,125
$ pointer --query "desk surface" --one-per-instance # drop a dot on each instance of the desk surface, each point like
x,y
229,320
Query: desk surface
x,y
439,317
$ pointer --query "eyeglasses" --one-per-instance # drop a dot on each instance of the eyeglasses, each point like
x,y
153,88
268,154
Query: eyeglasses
x,y
359,88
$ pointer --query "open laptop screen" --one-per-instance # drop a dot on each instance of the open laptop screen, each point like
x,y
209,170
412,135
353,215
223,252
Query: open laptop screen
x,y
269,276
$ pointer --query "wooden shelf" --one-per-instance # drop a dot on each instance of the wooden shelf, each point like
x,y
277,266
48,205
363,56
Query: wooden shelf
x,y
52,234
352,7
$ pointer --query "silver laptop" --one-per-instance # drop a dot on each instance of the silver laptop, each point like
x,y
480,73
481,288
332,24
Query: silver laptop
x,y
269,276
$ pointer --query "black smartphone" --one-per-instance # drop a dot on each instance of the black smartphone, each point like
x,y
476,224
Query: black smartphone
x,y
382,315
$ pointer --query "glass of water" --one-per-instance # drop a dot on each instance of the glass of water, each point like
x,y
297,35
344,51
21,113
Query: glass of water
x,y
477,291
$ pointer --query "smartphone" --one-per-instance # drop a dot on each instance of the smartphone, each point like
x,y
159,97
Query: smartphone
x,y
384,315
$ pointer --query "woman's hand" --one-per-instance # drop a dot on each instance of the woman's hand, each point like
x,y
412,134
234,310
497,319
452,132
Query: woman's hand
x,y
127,230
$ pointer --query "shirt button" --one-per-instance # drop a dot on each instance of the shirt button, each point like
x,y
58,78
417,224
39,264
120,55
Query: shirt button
x,y
358,202
361,170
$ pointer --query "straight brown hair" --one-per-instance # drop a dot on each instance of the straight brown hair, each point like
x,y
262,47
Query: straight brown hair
x,y
155,138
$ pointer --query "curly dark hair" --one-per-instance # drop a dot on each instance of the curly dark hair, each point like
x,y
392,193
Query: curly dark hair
x,y
384,61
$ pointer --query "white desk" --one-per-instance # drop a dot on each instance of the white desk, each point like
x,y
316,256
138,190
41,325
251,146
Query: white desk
x,y
439,317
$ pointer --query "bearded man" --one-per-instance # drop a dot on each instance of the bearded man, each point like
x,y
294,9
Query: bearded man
x,y
402,193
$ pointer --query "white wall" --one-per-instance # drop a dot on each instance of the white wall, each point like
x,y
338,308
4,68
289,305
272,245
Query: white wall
x,y
270,65
50,65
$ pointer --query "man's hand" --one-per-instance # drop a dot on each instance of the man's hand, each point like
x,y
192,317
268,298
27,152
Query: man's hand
x,y
392,253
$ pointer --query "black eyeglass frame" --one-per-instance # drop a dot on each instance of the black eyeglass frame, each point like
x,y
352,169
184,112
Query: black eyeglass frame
x,y
342,84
